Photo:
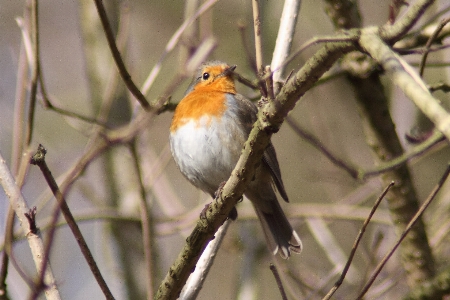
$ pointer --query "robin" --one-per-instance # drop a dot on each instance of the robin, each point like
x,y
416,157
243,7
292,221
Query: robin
x,y
208,131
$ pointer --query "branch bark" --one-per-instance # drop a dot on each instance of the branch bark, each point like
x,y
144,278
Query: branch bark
x,y
34,239
381,136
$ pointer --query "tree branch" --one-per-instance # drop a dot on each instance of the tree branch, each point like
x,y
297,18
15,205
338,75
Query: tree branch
x,y
118,59
39,160
34,239
408,228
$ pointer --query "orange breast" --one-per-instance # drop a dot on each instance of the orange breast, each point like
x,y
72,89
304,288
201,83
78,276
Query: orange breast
x,y
198,103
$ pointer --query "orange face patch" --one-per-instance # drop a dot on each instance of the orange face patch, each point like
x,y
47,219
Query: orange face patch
x,y
207,98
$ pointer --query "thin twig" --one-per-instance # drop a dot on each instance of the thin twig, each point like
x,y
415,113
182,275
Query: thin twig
x,y
421,50
418,32
19,108
258,37
406,79
419,213
146,224
258,46
443,87
196,59
278,280
34,240
167,227
317,144
35,70
49,105
394,32
111,87
356,243
39,160
315,41
117,57
392,164
245,81
429,43
435,138
172,43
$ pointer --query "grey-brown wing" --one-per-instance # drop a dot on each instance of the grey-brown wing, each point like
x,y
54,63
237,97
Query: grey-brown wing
x,y
270,159
247,118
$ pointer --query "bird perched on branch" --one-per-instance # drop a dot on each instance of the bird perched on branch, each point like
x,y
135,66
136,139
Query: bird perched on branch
x,y
209,128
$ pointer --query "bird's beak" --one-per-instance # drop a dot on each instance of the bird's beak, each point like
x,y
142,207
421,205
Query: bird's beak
x,y
228,71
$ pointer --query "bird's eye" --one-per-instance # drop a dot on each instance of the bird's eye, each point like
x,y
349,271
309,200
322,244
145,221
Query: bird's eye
x,y
205,76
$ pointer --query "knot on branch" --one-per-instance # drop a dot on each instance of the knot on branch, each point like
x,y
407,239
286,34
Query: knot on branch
x,y
359,65
269,120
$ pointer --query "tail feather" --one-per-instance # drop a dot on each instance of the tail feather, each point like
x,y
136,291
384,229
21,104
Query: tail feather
x,y
280,236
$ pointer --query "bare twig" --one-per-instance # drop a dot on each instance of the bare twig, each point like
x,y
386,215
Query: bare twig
x,y
429,43
147,225
422,33
421,50
19,109
443,87
117,57
405,232
196,59
34,240
285,37
356,243
278,280
111,87
394,163
258,45
408,80
245,81
317,144
166,227
419,149
172,43
316,41
49,105
392,32
39,160
258,37
35,69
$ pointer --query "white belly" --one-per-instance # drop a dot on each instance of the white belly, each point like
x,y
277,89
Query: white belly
x,y
206,151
